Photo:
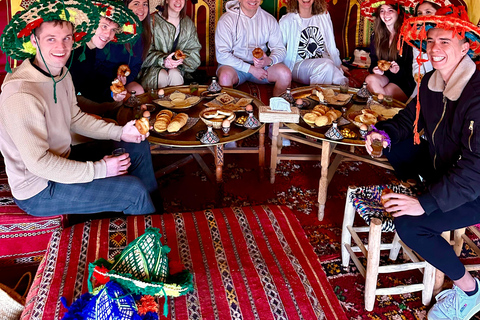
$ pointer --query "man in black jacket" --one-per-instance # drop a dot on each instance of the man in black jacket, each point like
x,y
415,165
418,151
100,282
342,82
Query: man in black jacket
x,y
447,156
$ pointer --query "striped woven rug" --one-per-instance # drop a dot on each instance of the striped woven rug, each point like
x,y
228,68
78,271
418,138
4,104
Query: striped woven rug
x,y
247,263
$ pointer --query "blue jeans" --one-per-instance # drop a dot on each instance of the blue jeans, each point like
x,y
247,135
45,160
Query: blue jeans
x,y
246,76
128,193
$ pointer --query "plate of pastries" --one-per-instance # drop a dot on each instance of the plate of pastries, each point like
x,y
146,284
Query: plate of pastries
x,y
329,96
371,114
178,100
321,116
166,122
227,102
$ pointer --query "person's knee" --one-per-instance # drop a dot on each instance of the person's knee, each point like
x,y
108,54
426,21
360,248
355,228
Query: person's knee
x,y
227,76
282,74
408,230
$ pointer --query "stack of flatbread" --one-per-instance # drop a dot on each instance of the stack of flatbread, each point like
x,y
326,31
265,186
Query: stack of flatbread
x,y
329,96
386,113
178,100
322,116
165,121
367,117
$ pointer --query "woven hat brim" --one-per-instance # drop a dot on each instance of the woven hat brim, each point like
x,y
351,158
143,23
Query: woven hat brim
x,y
154,4
15,39
128,22
369,7
414,31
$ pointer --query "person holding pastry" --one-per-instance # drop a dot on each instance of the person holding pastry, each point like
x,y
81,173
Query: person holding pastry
x,y
245,34
47,175
391,73
175,49
312,54
92,82
113,57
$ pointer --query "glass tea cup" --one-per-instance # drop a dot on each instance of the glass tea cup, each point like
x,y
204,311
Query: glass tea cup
x,y
344,86
388,100
377,146
118,152
194,88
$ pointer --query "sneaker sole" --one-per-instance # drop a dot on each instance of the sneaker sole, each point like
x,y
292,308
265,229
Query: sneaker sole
x,y
472,312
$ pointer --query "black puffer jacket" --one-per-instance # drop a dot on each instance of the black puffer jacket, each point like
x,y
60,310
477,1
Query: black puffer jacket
x,y
451,118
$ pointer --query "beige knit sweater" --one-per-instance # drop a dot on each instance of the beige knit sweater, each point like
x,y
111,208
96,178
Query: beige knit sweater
x,y
35,132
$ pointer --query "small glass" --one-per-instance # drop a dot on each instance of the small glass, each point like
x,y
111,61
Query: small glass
x,y
388,99
118,152
153,93
377,147
344,85
194,88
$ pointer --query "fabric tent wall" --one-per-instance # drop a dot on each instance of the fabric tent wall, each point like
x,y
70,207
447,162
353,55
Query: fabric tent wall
x,y
351,30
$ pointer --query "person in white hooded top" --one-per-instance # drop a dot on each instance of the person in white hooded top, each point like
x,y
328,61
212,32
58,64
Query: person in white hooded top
x,y
242,28
312,54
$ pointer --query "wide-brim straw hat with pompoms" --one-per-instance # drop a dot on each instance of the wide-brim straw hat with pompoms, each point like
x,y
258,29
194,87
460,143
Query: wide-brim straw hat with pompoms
x,y
144,268
130,26
368,8
15,39
414,30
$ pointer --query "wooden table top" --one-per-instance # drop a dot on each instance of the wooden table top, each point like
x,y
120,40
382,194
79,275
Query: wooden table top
x,y
319,132
188,138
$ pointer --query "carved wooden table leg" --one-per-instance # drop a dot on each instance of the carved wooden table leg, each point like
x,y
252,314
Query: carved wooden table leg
x,y
219,160
323,185
261,151
274,151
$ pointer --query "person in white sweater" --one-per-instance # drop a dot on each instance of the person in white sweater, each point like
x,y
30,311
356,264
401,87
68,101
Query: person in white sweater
x,y
241,29
38,111
312,54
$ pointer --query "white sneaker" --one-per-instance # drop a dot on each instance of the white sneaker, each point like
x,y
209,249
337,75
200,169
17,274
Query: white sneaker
x,y
455,304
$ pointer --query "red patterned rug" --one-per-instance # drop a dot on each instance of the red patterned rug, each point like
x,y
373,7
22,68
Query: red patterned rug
x,y
247,263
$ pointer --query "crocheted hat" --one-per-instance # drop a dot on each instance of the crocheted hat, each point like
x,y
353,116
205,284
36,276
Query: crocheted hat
x,y
128,22
15,39
414,30
368,8
143,268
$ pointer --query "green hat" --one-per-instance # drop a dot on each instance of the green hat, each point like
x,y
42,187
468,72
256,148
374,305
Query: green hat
x,y
143,268
15,39
128,22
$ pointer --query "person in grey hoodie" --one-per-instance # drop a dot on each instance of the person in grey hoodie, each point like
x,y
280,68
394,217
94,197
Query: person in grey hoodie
x,y
241,29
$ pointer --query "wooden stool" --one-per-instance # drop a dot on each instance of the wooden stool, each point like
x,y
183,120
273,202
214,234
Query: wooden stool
x,y
457,238
372,253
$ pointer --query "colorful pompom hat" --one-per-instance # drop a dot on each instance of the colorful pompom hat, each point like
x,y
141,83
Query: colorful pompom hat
x,y
128,22
15,39
368,8
414,32
143,268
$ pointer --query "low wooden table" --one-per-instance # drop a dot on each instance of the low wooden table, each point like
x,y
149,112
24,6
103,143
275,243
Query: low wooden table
x,y
303,133
186,142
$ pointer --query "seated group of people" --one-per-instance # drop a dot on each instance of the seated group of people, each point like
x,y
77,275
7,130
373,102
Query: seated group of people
x,y
435,139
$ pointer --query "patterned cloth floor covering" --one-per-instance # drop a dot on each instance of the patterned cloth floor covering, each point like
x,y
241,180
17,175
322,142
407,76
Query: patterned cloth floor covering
x,y
247,263
23,238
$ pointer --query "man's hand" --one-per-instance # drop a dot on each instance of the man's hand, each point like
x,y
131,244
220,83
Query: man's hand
x,y
262,62
119,96
346,71
370,137
117,166
394,67
401,204
377,70
130,133
169,63
258,73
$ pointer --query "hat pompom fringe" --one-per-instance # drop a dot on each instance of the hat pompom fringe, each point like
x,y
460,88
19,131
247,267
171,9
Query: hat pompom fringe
x,y
77,310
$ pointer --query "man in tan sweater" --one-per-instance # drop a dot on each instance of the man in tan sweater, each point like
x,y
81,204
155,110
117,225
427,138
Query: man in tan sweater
x,y
38,112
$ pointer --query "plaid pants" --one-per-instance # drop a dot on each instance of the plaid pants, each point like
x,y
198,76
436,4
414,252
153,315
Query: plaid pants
x,y
128,193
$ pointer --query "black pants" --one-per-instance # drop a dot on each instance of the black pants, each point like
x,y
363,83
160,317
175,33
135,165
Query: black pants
x,y
423,233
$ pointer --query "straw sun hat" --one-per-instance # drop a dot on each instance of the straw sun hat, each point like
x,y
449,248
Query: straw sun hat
x,y
15,39
369,7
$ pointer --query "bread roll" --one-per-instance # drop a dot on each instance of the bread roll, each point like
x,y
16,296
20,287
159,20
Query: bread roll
x,y
142,125
117,86
257,53
383,65
179,55
123,70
